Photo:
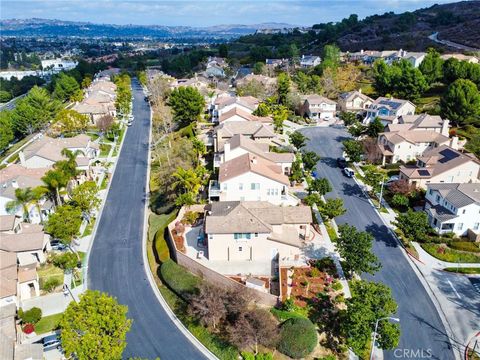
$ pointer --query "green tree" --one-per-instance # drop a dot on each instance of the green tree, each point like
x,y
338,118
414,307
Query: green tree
x,y
87,80
31,316
349,118
331,57
34,111
375,127
280,114
298,337
65,87
85,196
199,147
95,328
259,68
357,129
413,224
6,129
373,177
5,96
283,88
310,160
410,84
69,121
353,149
370,301
297,139
23,199
187,104
320,186
384,77
64,223
331,208
296,173
312,198
461,103
432,66
400,200
223,50
473,145
356,248
66,261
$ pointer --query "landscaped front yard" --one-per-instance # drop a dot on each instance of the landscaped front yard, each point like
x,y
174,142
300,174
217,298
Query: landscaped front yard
x,y
445,253
47,272
48,323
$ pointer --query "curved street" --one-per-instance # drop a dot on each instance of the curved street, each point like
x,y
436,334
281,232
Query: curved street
x,y
423,332
116,260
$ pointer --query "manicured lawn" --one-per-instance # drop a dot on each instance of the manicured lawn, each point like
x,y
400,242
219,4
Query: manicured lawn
x,y
446,254
104,183
89,228
48,323
467,270
48,271
104,150
331,231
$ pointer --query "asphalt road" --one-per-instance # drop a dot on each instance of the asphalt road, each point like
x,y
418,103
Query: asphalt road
x,y
422,331
116,262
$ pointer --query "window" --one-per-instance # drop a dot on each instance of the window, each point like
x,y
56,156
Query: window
x,y
430,192
476,226
240,248
254,186
460,226
438,198
224,186
256,234
463,212
240,186
240,236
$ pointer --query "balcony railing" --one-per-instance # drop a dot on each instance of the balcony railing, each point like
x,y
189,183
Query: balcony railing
x,y
214,189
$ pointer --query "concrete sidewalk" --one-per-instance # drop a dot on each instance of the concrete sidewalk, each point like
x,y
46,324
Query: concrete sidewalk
x,y
53,303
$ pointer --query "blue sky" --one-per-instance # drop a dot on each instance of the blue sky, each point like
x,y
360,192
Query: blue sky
x,y
204,13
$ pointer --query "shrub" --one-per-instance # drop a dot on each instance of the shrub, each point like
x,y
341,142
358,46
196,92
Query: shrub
x,y
50,284
400,200
179,279
464,246
337,285
29,328
31,316
298,338
314,272
191,217
260,356
65,261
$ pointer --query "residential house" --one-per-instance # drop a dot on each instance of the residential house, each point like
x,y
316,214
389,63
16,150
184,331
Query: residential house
x,y
238,114
45,151
14,177
317,107
461,57
255,235
308,61
214,71
8,279
269,83
216,61
225,103
250,177
420,122
389,109
442,165
454,208
276,63
415,58
239,145
94,110
404,146
255,130
354,101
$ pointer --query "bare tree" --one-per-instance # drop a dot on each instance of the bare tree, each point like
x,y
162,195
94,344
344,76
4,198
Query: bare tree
x,y
254,327
159,89
208,305
371,150
401,187
105,123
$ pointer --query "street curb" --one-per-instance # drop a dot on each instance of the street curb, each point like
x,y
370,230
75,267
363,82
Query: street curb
x,y
420,276
177,322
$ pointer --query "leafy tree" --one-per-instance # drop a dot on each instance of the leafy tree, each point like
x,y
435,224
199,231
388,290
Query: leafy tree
x,y
373,177
253,328
461,103
5,96
259,68
432,66
54,180
64,223
208,306
400,200
31,316
86,82
349,118
50,284
356,248
34,111
252,88
186,180
70,121
84,196
331,57
331,208
280,114
321,186
473,145
297,139
94,328
353,149
187,104
298,338
296,173
66,87
310,160
283,88
370,301
384,76
223,50
401,187
312,199
413,224
66,261
375,127
199,147
6,129
23,198
357,129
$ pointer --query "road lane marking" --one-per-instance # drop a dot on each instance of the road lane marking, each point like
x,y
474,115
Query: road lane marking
x,y
454,290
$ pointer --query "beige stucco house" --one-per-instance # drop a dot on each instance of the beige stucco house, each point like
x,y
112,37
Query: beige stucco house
x,y
354,101
256,130
318,107
389,109
442,165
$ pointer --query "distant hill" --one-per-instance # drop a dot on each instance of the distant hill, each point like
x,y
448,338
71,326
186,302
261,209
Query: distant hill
x,y
457,22
47,28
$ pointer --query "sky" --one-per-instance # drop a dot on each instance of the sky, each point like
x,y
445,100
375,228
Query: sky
x,y
204,12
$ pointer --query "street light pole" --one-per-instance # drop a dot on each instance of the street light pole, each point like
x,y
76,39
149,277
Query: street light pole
x,y
375,332
381,192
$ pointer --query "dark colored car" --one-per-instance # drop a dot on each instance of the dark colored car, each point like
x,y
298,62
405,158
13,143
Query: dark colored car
x,y
341,162
51,342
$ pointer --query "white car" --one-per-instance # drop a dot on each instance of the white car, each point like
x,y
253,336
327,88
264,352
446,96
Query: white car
x,y
348,172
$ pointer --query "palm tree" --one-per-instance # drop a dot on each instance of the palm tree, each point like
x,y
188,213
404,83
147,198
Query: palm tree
x,y
37,194
23,198
187,180
55,180
199,148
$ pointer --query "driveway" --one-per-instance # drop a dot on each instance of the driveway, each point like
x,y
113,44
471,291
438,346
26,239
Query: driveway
x,y
116,261
423,332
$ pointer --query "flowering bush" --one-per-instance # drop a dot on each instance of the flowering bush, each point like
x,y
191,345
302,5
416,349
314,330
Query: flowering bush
x,y
29,328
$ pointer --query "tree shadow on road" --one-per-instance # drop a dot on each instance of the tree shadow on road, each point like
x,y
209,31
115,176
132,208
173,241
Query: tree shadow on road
x,y
381,233
342,138
330,162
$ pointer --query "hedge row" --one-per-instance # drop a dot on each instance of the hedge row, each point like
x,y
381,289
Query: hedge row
x,y
179,279
465,246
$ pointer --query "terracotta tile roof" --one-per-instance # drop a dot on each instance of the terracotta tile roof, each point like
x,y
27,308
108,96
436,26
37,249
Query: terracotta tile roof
x,y
251,163
260,149
243,114
8,274
248,128
14,170
27,274
420,136
24,241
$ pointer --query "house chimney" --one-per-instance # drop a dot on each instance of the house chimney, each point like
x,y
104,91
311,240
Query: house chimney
x,y
454,142
254,160
15,184
445,127
360,90
361,51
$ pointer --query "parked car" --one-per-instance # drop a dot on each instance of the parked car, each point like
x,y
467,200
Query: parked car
x,y
51,342
57,245
348,172
341,162
393,179
129,123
